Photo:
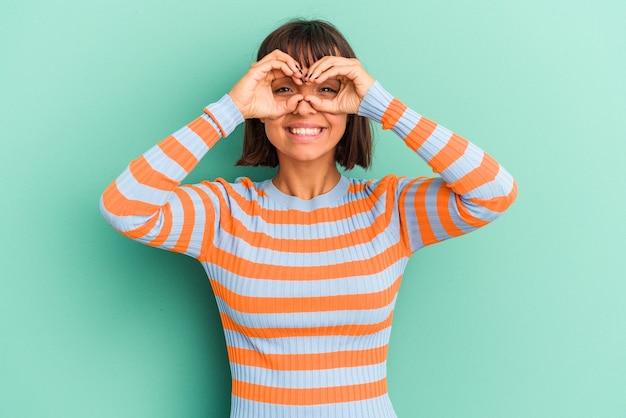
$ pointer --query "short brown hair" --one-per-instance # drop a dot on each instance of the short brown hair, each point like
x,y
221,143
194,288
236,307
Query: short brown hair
x,y
308,41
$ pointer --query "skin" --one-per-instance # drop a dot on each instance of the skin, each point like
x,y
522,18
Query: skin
x,y
304,111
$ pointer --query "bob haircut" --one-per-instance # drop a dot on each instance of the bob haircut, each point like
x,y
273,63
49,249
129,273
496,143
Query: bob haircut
x,y
308,41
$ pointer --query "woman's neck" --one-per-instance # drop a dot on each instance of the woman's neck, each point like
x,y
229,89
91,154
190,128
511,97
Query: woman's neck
x,y
306,182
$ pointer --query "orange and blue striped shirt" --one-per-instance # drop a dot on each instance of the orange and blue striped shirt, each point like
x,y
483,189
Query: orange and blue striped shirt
x,y
306,289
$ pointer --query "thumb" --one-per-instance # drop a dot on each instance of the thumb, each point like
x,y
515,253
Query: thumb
x,y
292,102
321,105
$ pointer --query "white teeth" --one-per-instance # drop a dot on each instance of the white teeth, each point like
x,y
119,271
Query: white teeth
x,y
305,131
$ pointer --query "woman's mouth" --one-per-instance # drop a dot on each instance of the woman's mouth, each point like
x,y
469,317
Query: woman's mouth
x,y
305,131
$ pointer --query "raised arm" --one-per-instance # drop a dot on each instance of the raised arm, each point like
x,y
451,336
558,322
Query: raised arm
x,y
148,204
147,201
473,190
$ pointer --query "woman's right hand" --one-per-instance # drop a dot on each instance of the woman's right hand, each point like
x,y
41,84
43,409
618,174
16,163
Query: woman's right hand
x,y
253,94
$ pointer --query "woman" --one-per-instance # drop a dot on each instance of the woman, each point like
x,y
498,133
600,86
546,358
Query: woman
x,y
306,266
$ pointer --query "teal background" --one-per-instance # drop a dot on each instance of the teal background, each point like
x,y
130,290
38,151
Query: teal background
x,y
524,318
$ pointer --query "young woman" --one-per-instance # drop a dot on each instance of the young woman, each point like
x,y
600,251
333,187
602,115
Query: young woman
x,y
306,266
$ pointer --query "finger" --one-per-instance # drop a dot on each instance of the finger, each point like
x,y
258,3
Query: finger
x,y
298,79
341,73
341,70
281,56
353,74
322,105
323,64
288,106
275,69
292,103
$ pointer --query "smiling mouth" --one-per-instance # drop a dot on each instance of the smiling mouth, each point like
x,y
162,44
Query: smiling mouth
x,y
305,131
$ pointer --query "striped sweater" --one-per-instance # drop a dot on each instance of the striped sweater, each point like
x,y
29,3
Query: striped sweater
x,y
306,288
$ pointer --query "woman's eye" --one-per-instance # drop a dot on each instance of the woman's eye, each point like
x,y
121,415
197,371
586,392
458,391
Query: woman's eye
x,y
330,87
282,90
328,92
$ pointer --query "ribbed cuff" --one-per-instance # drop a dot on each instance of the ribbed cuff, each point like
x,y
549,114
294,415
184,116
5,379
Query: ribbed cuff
x,y
225,115
375,102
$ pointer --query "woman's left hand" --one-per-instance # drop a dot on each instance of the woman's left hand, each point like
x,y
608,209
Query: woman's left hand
x,y
355,82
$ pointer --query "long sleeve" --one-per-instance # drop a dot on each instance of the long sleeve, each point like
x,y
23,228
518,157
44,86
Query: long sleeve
x,y
147,203
473,189
306,289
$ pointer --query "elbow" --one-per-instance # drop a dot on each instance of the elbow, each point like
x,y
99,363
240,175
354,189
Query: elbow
x,y
511,197
478,212
106,214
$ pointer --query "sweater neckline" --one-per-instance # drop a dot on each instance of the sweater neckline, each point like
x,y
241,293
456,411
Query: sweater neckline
x,y
327,199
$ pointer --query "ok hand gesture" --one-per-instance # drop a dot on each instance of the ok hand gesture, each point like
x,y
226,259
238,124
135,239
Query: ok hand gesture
x,y
355,82
253,94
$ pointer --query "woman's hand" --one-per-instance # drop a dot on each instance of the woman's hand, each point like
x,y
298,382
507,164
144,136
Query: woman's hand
x,y
355,82
253,94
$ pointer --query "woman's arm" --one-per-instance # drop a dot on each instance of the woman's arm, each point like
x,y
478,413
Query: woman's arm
x,y
472,191
147,203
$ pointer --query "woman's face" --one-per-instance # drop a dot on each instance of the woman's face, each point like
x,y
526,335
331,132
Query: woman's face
x,y
305,135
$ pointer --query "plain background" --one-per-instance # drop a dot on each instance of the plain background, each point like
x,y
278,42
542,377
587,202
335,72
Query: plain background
x,y
524,318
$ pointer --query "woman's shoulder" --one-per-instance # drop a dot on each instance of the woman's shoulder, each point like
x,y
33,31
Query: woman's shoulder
x,y
240,187
388,181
